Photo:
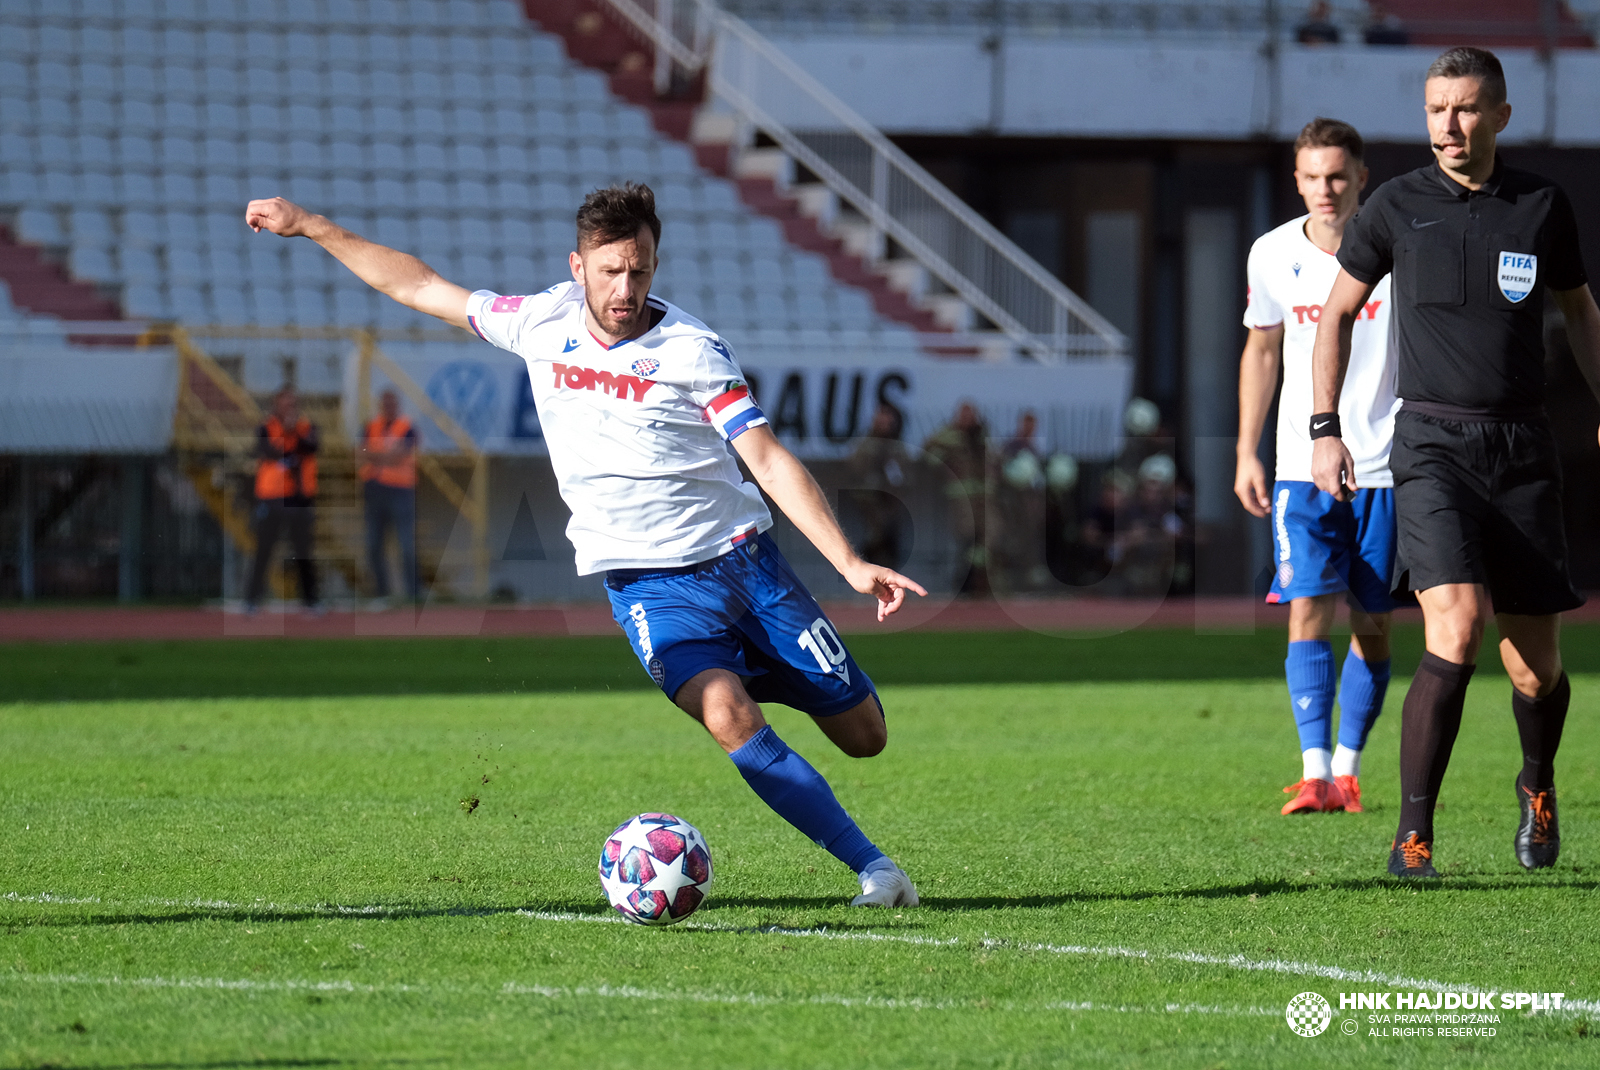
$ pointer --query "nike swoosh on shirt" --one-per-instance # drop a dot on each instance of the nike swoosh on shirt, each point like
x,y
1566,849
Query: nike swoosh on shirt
x,y
572,343
1415,225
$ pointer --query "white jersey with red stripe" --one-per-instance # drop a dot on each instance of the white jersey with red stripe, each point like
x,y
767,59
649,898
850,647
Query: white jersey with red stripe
x,y
1290,278
638,432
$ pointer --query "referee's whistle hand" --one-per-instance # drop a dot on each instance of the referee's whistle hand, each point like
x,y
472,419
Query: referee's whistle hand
x,y
1333,470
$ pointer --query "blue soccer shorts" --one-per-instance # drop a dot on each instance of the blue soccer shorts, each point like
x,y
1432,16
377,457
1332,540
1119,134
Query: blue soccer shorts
x,y
1325,546
745,612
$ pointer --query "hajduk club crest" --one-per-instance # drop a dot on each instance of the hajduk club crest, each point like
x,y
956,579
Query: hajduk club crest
x,y
645,367
1518,272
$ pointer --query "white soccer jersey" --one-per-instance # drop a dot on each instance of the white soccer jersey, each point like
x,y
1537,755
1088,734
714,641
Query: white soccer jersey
x,y
1289,279
638,432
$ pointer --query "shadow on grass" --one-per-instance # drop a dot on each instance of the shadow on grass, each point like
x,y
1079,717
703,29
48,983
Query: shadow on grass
x,y
304,668
268,915
301,668
237,1064
936,904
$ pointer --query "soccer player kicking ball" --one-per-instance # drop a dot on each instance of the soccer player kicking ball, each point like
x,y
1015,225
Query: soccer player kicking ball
x,y
1473,245
1325,546
639,403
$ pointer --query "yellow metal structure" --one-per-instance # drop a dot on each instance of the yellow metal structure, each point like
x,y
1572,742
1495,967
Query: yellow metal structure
x,y
215,435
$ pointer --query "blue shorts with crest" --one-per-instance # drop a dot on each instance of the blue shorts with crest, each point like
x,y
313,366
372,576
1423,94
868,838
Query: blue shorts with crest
x,y
745,612
1324,546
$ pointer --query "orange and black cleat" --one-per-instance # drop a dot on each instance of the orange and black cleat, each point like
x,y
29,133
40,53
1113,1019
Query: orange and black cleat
x,y
1411,857
1314,797
1538,839
1350,793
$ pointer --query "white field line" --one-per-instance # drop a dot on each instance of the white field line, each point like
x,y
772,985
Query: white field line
x,y
1236,962
619,992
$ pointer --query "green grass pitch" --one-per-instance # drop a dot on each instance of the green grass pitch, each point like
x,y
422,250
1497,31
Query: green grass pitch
x,y
256,854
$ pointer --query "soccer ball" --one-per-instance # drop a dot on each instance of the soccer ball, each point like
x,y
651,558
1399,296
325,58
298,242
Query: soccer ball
x,y
655,869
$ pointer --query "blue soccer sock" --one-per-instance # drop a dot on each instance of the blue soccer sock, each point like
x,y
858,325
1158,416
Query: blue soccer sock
x,y
1309,670
798,794
1362,687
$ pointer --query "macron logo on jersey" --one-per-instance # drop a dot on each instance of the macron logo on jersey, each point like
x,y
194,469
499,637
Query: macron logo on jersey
x,y
572,377
1313,313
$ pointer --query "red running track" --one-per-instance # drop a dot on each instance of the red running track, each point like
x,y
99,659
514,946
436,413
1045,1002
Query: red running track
x,y
1105,616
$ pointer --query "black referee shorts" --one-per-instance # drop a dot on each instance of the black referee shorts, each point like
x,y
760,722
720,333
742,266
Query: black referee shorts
x,y
1481,503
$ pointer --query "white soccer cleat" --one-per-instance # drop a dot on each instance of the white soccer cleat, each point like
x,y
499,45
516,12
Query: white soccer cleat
x,y
886,888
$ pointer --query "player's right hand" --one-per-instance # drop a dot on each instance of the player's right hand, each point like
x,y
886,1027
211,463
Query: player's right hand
x,y
1250,484
1333,470
281,217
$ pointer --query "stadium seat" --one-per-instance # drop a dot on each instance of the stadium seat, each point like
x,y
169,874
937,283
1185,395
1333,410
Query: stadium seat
x,y
133,131
136,264
93,262
145,301
41,226
188,303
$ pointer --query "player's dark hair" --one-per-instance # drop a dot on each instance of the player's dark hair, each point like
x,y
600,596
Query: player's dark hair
x,y
616,213
1469,62
1322,133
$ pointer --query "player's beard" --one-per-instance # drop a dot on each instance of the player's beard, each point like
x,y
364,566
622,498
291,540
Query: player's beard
x,y
615,327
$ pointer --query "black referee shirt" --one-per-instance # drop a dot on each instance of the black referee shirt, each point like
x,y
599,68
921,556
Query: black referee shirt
x,y
1470,268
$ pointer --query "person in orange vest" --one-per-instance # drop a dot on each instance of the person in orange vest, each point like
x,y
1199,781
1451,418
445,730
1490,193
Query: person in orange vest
x,y
389,489
286,493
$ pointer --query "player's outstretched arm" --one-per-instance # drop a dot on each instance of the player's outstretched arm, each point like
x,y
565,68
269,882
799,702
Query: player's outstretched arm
x,y
1258,381
1583,331
389,271
790,485
1332,468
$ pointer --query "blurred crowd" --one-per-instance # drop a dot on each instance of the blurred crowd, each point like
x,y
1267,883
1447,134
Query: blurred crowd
x,y
1021,519
1382,26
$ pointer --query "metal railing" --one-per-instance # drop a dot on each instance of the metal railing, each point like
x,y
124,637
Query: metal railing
x,y
216,416
1172,19
867,171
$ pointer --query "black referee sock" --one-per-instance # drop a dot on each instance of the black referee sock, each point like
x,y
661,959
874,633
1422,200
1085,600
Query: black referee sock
x,y
1430,719
1539,724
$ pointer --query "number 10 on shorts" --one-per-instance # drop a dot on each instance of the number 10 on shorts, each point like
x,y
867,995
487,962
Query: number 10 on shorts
x,y
824,644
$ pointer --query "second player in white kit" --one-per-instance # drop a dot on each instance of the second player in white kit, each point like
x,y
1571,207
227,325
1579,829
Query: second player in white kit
x,y
644,409
1322,547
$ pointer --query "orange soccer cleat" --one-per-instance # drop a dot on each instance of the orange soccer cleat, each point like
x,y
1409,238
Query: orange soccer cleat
x,y
1315,797
1350,792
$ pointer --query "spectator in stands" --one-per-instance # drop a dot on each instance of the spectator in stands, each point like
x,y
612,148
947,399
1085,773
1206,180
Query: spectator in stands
x,y
1019,508
1384,26
389,492
1154,529
286,494
1318,29
878,468
1101,546
1144,434
958,455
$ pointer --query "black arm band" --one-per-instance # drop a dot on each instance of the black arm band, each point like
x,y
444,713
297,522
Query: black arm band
x,y
1326,425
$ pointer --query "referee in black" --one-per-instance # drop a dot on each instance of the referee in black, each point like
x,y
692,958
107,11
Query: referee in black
x,y
1473,245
